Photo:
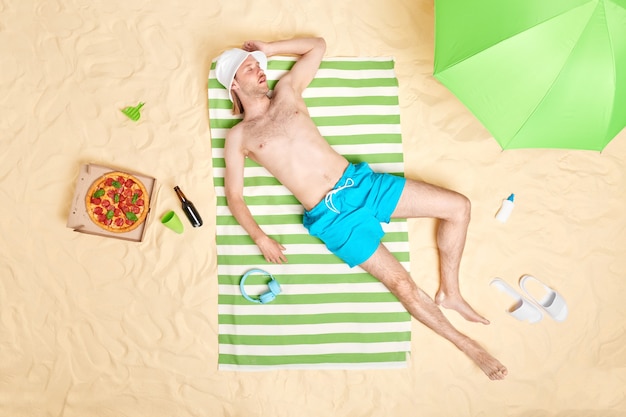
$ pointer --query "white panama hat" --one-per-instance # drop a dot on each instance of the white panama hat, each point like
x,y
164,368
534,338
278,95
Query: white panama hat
x,y
229,62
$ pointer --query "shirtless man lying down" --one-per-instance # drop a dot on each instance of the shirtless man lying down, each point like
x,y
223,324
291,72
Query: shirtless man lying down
x,y
344,203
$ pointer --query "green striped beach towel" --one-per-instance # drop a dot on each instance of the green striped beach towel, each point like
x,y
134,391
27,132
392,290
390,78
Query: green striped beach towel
x,y
328,316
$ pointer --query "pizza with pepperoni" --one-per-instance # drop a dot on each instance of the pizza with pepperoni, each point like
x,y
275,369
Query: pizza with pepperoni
x,y
117,202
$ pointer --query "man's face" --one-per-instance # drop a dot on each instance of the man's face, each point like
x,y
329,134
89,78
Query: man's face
x,y
250,78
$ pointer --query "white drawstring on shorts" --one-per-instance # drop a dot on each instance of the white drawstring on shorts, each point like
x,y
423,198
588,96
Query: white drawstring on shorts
x,y
328,200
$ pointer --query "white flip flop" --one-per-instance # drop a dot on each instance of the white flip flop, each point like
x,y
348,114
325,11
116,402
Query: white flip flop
x,y
552,302
523,309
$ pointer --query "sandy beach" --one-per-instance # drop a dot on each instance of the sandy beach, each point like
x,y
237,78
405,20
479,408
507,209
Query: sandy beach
x,y
93,326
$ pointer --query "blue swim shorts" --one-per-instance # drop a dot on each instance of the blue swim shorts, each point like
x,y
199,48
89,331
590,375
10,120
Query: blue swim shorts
x,y
348,219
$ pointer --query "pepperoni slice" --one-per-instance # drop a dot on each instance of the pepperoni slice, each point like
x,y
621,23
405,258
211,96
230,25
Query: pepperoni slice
x,y
98,210
106,203
140,202
129,183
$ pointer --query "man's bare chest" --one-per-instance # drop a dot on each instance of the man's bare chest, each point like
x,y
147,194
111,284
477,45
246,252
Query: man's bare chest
x,y
274,130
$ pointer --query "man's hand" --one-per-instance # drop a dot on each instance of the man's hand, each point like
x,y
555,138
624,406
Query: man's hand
x,y
252,46
271,250
309,51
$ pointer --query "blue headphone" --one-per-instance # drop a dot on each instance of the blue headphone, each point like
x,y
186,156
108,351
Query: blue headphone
x,y
266,297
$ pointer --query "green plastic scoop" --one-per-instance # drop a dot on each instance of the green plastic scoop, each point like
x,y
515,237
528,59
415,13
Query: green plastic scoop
x,y
133,112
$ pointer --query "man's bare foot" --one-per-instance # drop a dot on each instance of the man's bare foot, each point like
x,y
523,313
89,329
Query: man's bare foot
x,y
461,306
489,365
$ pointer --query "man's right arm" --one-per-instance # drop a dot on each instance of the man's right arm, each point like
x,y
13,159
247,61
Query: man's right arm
x,y
233,186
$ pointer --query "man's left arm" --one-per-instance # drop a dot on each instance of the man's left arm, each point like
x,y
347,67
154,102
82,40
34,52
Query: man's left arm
x,y
310,52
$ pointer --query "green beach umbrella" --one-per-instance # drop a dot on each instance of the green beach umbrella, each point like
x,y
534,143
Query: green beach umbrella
x,y
536,73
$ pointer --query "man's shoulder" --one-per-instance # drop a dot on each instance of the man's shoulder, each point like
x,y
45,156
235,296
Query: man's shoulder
x,y
235,133
284,93
236,129
284,83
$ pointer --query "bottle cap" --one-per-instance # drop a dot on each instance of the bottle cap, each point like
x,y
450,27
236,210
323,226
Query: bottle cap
x,y
511,197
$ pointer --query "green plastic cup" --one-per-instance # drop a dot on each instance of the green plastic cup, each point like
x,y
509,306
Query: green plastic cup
x,y
171,220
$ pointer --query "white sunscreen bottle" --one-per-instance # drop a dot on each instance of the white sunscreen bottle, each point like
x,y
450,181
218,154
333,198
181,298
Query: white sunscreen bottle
x,y
506,209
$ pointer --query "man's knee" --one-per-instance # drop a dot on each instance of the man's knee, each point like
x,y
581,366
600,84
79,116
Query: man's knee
x,y
461,209
402,286
466,207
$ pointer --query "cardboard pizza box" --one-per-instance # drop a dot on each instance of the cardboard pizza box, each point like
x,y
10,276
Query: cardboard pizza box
x,y
79,219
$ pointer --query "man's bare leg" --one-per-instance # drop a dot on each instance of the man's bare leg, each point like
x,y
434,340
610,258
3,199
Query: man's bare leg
x,y
452,210
384,266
